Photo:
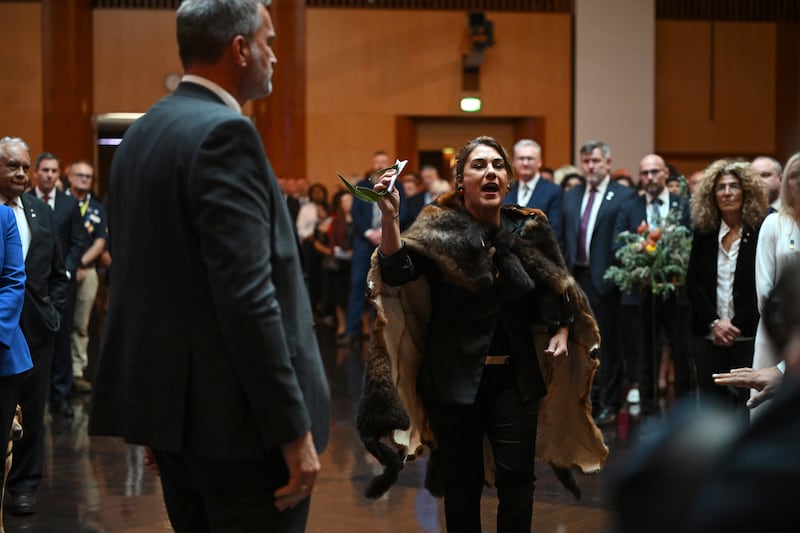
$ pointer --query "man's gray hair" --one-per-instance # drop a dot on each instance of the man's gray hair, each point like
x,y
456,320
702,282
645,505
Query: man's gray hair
x,y
775,163
12,141
591,146
526,142
206,27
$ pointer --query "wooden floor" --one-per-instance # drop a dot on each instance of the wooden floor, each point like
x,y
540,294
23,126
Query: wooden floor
x,y
100,484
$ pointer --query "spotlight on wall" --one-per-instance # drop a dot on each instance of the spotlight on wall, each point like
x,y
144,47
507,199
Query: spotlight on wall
x,y
471,104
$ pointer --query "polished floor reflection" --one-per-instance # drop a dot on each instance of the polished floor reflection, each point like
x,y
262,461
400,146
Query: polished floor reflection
x,y
100,484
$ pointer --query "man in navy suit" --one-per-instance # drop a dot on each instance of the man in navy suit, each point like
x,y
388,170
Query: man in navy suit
x,y
73,240
588,215
209,355
530,189
45,294
646,314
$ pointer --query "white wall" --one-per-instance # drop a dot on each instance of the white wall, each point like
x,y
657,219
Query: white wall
x,y
615,78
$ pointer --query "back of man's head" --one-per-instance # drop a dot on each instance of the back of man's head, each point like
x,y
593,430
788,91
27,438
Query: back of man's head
x,y
206,27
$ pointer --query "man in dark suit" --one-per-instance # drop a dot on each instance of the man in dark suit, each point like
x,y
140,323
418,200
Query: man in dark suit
x,y
366,236
588,215
209,354
769,170
73,241
428,175
529,188
646,314
45,294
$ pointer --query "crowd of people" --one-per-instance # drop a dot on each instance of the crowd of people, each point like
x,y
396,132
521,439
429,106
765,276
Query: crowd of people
x,y
481,290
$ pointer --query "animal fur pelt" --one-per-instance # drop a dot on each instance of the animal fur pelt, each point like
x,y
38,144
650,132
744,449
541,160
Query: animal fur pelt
x,y
391,420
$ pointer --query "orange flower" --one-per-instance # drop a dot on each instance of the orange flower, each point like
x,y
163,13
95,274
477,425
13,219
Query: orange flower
x,y
642,227
655,235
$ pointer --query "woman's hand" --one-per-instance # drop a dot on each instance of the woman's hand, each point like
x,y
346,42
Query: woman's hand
x,y
389,204
557,348
724,332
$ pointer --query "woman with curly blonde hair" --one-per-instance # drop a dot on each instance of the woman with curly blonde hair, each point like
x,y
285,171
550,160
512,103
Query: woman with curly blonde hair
x,y
727,208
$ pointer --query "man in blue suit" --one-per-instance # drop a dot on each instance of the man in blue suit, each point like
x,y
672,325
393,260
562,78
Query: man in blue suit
x,y
530,189
15,358
646,314
587,242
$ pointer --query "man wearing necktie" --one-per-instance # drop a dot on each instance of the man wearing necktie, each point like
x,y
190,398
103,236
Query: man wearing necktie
x,y
529,189
770,170
45,293
586,238
646,315
73,240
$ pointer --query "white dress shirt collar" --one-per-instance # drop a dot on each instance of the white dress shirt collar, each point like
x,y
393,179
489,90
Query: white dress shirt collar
x,y
226,97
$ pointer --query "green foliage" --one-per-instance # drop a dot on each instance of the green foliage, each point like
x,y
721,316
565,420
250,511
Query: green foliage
x,y
654,258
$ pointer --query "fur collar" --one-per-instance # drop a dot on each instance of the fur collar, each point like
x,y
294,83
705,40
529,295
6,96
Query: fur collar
x,y
467,251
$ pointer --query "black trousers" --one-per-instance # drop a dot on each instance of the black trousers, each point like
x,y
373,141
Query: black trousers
x,y
61,372
26,470
713,359
205,495
9,397
510,425
609,381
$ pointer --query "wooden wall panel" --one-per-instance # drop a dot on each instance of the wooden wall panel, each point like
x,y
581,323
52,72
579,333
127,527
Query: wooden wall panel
x,y
715,90
367,67
21,75
134,50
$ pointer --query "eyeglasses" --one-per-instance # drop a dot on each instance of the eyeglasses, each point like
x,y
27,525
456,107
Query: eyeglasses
x,y
83,176
723,187
650,172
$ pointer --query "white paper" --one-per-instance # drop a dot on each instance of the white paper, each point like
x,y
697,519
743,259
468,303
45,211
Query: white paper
x,y
400,166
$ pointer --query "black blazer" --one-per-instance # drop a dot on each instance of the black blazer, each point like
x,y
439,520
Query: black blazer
x,y
546,196
72,236
209,347
632,212
701,282
601,248
46,280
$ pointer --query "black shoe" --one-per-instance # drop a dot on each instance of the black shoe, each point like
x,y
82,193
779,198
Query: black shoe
x,y
62,408
21,504
607,416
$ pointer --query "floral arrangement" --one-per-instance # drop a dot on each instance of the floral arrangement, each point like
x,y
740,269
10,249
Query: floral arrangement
x,y
654,257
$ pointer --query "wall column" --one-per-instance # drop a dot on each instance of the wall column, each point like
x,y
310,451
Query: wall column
x,y
281,117
615,78
67,80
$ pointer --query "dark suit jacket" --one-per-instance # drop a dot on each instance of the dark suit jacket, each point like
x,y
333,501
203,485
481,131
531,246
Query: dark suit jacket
x,y
546,196
209,347
601,248
701,282
46,284
72,237
631,214
414,206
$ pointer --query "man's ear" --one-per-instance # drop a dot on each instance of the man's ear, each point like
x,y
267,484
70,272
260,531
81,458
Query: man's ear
x,y
240,51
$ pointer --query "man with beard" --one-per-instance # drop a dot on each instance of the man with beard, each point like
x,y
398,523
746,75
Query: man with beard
x,y
209,355
645,313
588,215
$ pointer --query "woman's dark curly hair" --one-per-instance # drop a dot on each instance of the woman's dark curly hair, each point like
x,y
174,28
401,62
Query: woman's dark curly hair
x,y
705,212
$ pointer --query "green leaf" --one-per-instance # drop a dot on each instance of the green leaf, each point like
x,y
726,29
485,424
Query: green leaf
x,y
365,194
